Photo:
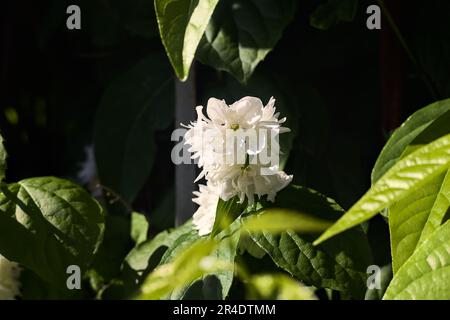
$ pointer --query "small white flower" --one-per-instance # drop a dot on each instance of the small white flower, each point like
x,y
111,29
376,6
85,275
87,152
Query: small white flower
x,y
207,136
204,217
236,164
9,279
246,182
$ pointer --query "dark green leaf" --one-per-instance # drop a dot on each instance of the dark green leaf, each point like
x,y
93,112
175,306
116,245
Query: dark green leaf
x,y
228,241
328,14
134,106
115,246
58,224
242,32
339,264
226,213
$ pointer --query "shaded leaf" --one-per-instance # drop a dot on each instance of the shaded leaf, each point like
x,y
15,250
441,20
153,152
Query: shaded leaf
x,y
340,264
58,224
181,26
241,34
328,14
134,106
226,213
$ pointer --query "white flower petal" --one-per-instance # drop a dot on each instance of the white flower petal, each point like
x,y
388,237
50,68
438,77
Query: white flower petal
x,y
216,110
247,111
232,164
204,217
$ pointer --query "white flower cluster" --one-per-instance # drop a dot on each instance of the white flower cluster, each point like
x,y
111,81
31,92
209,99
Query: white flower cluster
x,y
9,279
236,147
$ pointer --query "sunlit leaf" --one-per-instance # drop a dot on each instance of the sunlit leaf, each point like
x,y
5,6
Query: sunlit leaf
x,y
181,25
426,275
405,135
139,227
277,220
402,179
189,266
277,287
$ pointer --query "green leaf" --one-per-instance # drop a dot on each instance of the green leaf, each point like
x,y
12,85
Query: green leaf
x,y
139,227
181,26
329,14
228,241
423,207
426,275
277,220
132,109
192,264
139,259
340,264
277,287
184,238
114,248
242,32
406,176
48,224
3,156
440,127
408,217
225,251
226,213
405,135
439,211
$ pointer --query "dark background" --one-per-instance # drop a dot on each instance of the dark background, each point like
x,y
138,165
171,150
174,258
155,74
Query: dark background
x,y
346,88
